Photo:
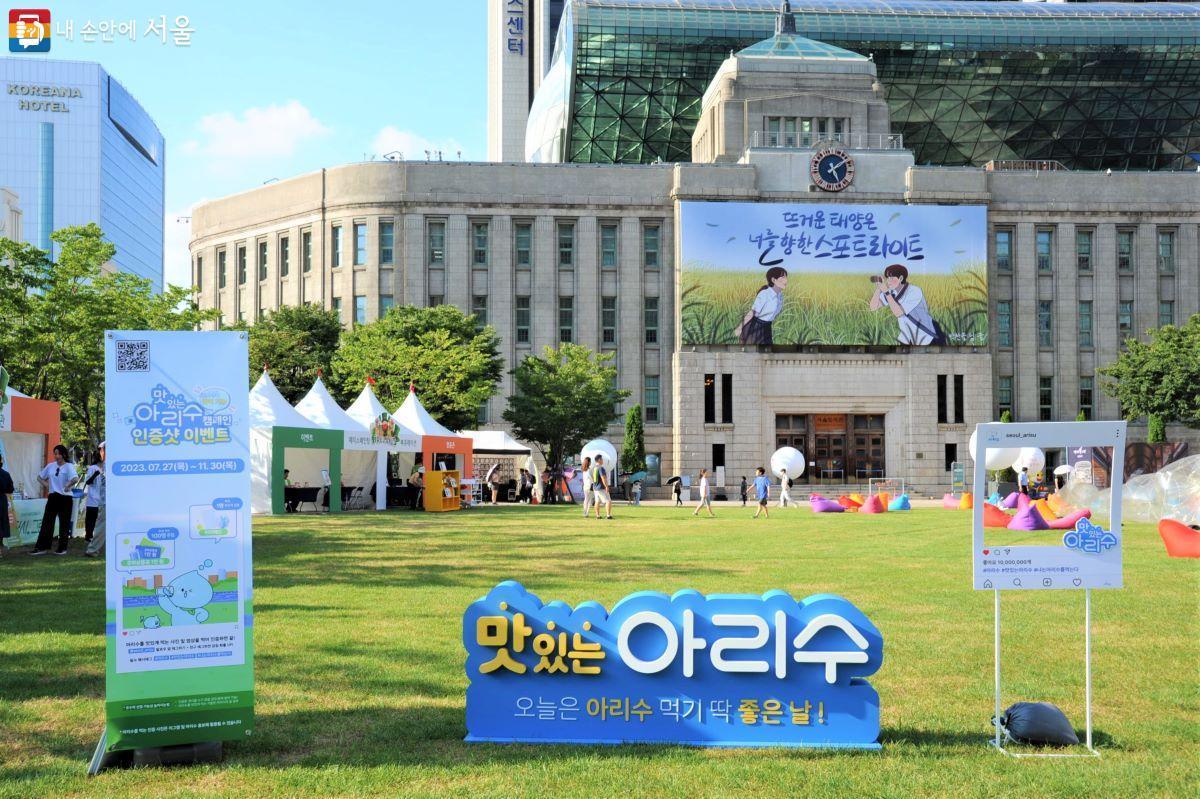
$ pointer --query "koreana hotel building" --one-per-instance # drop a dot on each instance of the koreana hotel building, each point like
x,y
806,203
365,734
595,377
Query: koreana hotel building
x,y
1079,254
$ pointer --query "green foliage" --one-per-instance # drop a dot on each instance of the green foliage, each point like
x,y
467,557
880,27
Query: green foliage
x,y
455,365
1156,430
633,448
295,342
55,315
1081,417
563,399
1006,417
1160,378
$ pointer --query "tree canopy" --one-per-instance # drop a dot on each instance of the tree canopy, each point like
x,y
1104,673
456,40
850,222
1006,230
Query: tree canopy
x,y
1159,379
633,447
563,399
295,343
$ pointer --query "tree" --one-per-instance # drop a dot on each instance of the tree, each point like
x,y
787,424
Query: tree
x,y
295,342
53,341
1006,417
1159,379
563,399
454,364
1081,417
633,448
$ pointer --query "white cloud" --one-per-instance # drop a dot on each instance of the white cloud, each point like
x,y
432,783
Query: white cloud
x,y
273,131
413,145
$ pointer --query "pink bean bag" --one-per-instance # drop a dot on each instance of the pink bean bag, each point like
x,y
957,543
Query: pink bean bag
x,y
950,501
1068,522
822,505
1181,541
994,517
1028,518
1010,501
872,505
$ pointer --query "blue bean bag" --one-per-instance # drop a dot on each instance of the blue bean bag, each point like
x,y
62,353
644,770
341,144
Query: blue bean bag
x,y
900,503
822,505
994,498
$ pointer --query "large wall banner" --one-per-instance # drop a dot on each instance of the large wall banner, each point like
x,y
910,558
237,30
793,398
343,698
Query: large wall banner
x,y
719,670
814,273
179,610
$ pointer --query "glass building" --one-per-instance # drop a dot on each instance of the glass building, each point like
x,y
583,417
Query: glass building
x,y
76,147
1092,85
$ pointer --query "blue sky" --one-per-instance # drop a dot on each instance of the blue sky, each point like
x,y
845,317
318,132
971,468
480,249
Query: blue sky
x,y
272,89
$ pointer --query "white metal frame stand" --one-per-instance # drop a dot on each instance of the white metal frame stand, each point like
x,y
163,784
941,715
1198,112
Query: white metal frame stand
x,y
998,741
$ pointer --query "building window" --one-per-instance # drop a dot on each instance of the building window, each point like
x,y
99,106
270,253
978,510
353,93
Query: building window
x,y
942,413
387,241
1004,250
608,320
651,319
481,414
1083,250
306,250
1045,251
285,256
710,399
951,456
335,239
262,260
360,243
1004,323
221,276
727,399
386,303
241,266
523,242
360,309
1125,319
1166,251
608,246
337,308
199,280
650,398
566,245
435,243
1045,399
479,244
959,399
1086,388
1004,394
479,307
522,320
566,319
651,236
1085,325
718,456
1045,324
1166,312
1125,250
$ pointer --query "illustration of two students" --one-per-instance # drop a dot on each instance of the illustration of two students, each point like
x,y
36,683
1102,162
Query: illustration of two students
x,y
905,301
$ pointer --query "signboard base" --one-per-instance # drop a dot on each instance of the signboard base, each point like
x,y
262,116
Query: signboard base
x,y
178,755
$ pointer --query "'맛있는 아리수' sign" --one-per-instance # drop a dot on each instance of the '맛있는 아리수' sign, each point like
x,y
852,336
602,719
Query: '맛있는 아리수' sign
x,y
718,670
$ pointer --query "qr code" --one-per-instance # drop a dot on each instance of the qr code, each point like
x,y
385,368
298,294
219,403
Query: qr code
x,y
133,356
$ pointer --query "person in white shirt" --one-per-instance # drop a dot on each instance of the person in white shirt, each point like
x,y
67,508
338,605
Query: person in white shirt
x,y
588,496
705,495
907,303
785,496
93,482
601,487
58,478
97,542
755,327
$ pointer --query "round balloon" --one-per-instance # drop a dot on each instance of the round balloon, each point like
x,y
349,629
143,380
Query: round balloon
x,y
598,446
997,458
788,458
1030,458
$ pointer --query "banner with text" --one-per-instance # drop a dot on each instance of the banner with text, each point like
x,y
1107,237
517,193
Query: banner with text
x,y
179,605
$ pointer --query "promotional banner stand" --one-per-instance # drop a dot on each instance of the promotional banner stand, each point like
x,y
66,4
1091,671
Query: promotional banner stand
x,y
177,755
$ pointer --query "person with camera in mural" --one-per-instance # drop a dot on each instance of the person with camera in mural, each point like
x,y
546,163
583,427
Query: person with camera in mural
x,y
907,303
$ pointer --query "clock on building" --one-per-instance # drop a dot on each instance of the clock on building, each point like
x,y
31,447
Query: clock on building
x,y
831,169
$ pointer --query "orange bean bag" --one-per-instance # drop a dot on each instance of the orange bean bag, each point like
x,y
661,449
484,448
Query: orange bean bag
x,y
884,498
994,517
967,502
1043,507
872,505
1057,504
859,498
848,502
1181,541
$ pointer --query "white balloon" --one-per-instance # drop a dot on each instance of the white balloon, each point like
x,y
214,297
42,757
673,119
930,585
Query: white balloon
x,y
997,458
599,446
1030,457
788,458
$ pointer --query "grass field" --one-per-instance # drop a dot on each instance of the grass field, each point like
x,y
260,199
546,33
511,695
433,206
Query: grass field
x,y
360,677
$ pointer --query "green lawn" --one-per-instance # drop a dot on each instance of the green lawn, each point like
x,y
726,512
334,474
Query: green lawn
x,y
360,665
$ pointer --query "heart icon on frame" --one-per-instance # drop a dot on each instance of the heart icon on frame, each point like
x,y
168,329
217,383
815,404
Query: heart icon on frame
x,y
1077,581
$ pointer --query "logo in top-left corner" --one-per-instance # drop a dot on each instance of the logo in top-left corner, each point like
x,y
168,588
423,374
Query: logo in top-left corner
x,y
29,30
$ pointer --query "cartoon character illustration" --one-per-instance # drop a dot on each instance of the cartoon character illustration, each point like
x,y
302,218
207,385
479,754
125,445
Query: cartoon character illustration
x,y
755,327
907,303
184,598
151,622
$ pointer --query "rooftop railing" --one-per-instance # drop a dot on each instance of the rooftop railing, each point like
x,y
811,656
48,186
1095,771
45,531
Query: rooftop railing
x,y
808,140
1025,166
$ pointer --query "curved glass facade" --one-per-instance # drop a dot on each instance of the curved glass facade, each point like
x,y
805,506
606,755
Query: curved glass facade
x,y
1093,85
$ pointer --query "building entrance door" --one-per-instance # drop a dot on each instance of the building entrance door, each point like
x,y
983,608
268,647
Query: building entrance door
x,y
831,457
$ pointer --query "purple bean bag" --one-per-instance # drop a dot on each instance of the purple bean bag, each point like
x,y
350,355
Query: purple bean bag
x,y
1023,501
822,505
1068,522
950,501
1010,501
1028,518
900,503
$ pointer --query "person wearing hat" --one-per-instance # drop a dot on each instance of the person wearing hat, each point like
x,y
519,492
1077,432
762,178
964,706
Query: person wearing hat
x,y
97,525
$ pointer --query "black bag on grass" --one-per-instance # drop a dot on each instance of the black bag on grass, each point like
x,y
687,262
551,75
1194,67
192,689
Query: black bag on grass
x,y
1037,723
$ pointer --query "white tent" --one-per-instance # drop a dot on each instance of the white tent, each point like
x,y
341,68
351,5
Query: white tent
x,y
268,411
24,452
412,414
385,435
360,458
495,442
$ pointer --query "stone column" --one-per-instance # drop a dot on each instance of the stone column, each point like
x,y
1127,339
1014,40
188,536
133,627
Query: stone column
x,y
1066,325
1025,323
411,260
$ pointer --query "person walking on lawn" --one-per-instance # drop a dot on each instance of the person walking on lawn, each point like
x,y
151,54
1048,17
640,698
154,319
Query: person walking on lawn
x,y
705,495
762,490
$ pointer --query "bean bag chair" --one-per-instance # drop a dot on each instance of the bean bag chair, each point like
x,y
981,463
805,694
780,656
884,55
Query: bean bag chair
x,y
872,505
822,505
848,502
1057,504
1022,501
1028,518
995,498
859,498
950,501
1010,501
1068,522
1044,508
994,517
967,502
1181,541
884,499
899,503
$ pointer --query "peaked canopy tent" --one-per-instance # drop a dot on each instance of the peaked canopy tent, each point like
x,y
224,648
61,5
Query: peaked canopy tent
x,y
359,458
497,453
436,439
275,428
386,436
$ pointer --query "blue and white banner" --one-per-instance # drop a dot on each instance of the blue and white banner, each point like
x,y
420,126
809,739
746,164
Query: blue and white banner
x,y
719,670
